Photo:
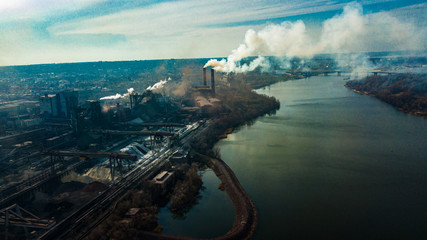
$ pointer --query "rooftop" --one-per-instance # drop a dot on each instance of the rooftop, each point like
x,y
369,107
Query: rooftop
x,y
162,177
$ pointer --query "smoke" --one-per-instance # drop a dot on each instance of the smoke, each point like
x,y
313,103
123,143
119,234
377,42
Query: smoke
x,y
158,85
358,63
106,108
181,88
117,96
349,32
232,64
154,87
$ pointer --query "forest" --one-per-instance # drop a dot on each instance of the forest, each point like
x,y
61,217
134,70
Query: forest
x,y
407,92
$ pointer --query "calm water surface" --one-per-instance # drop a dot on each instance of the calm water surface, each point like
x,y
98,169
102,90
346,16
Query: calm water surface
x,y
211,217
330,164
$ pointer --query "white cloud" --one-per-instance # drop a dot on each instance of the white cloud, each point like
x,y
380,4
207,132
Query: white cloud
x,y
7,5
12,10
182,15
178,29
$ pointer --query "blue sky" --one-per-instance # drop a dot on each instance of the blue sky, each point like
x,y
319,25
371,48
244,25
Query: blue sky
x,y
49,31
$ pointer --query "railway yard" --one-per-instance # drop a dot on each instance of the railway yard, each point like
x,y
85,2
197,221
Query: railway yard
x,y
123,165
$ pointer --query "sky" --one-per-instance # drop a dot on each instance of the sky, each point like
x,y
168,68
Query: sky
x,y
56,31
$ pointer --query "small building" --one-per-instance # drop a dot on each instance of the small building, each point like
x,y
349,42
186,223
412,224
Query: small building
x,y
179,156
132,212
202,102
163,178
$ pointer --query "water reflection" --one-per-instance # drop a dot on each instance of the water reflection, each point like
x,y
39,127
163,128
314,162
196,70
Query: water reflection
x,y
332,164
211,217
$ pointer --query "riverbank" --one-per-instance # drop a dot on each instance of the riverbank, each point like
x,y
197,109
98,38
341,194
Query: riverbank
x,y
246,215
185,192
331,164
406,92
244,106
241,105
246,218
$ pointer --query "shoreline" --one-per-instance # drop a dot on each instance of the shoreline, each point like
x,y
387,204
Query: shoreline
x,y
246,215
416,113
244,226
245,106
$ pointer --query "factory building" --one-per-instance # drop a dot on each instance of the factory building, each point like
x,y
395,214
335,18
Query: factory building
x,y
205,89
48,105
18,114
60,105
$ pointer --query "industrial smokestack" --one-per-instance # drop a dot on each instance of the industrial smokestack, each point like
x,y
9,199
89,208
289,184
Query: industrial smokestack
x,y
213,82
204,77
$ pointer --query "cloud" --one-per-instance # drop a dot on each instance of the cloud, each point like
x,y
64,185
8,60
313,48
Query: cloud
x,y
181,16
349,32
11,10
87,30
9,5
177,29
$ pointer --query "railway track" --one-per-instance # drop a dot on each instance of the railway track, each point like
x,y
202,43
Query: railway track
x,y
81,222
8,195
33,183
82,218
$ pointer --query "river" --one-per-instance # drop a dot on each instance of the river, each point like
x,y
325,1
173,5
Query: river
x,y
329,164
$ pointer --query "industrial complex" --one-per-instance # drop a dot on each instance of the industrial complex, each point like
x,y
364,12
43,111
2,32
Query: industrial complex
x,y
53,147
73,151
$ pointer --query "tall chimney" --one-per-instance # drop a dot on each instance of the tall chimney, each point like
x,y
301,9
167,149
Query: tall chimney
x,y
204,77
213,82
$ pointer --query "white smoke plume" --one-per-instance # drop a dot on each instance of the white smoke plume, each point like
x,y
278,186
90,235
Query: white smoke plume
x,y
117,96
158,85
349,32
181,88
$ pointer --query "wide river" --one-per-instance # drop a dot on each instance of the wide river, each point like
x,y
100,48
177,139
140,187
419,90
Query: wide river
x,y
329,164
